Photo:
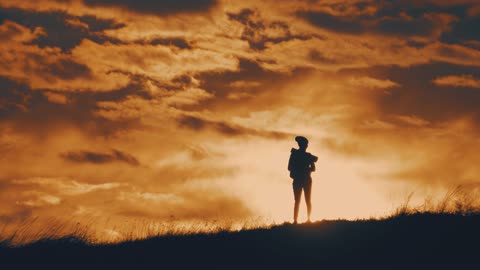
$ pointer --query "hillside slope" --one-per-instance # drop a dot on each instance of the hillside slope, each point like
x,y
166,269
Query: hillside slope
x,y
404,242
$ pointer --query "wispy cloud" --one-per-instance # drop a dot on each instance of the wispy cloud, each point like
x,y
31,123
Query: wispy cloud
x,y
100,157
458,81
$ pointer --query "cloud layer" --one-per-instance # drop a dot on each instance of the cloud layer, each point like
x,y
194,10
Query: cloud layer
x,y
187,110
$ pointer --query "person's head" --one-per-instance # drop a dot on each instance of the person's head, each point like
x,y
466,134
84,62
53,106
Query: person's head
x,y
302,142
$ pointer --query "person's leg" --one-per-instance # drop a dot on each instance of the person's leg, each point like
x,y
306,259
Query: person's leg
x,y
307,188
297,193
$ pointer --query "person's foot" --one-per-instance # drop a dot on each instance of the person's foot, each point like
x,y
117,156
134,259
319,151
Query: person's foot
x,y
295,222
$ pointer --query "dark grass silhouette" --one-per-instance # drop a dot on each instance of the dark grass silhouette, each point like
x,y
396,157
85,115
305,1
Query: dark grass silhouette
x,y
404,241
436,235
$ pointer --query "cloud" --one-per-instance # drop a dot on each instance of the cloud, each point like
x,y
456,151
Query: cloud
x,y
66,186
188,96
259,32
37,199
178,42
154,198
18,33
412,120
199,124
377,125
50,68
401,24
60,29
417,95
347,148
447,156
99,157
155,110
322,19
463,29
456,54
15,97
199,204
56,97
163,63
458,81
166,7
368,82
38,113
244,84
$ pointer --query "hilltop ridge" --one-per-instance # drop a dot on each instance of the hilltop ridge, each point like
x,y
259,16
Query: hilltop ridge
x,y
401,241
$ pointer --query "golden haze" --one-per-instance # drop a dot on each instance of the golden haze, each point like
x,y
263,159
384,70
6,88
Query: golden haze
x,y
128,112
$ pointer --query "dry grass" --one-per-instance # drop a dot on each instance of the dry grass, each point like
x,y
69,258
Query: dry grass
x,y
461,200
95,230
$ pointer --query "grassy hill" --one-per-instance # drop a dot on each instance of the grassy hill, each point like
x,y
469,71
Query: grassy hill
x,y
405,241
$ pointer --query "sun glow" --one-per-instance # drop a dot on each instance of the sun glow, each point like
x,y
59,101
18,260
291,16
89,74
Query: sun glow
x,y
341,187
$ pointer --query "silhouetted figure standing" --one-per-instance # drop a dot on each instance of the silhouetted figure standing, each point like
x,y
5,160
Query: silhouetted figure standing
x,y
301,164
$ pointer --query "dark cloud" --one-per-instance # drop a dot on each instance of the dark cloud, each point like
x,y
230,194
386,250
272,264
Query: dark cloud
x,y
397,18
139,81
393,8
13,97
62,29
396,26
99,157
10,31
178,42
96,24
320,57
227,129
30,112
331,22
464,29
164,7
255,29
69,69
65,69
418,95
417,44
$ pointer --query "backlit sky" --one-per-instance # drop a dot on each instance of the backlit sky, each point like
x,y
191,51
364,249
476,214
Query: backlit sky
x,y
187,110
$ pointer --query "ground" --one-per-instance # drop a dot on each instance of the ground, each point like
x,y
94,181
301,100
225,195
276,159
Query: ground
x,y
414,241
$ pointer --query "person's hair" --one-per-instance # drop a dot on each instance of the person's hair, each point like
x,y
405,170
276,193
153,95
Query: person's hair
x,y
301,140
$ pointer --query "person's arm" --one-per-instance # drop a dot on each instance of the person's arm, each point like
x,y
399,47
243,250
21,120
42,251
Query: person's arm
x,y
312,164
290,162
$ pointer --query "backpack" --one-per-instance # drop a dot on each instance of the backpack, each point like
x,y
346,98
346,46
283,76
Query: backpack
x,y
301,164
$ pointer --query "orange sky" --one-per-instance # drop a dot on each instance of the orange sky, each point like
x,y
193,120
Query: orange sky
x,y
187,110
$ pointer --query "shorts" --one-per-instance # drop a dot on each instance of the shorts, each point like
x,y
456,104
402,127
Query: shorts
x,y
306,186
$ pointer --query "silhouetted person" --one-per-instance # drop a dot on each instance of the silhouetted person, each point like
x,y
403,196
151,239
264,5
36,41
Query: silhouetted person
x,y
301,164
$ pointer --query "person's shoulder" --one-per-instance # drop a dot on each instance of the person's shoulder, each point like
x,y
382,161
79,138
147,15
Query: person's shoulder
x,y
315,158
293,150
